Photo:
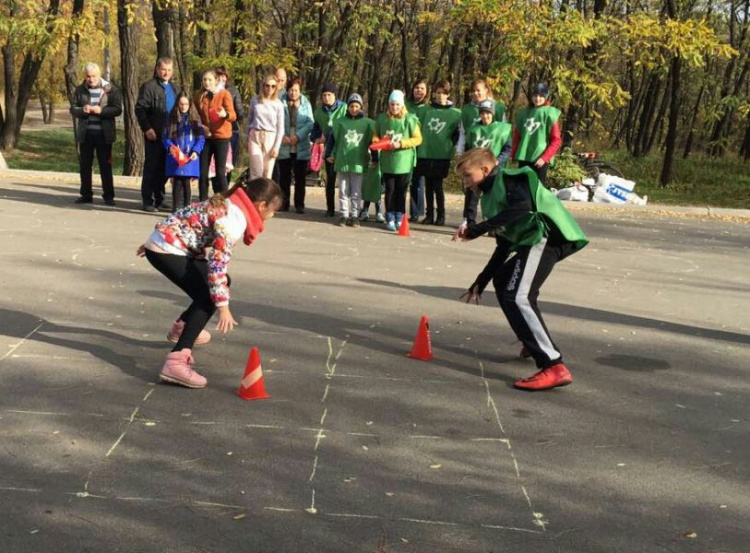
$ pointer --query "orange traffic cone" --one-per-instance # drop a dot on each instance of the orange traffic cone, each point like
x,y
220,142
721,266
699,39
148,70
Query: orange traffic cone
x,y
403,230
252,386
422,348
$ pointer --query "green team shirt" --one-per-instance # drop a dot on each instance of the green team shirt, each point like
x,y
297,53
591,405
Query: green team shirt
x,y
493,136
534,126
372,186
438,127
397,162
325,120
530,229
352,142
470,114
416,109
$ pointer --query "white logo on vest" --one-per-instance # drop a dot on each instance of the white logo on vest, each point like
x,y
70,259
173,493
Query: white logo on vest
x,y
436,125
484,143
531,125
394,136
353,138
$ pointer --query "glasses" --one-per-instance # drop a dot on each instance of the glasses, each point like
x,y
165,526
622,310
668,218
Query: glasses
x,y
269,86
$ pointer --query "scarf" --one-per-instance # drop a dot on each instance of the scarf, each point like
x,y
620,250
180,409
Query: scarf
x,y
253,218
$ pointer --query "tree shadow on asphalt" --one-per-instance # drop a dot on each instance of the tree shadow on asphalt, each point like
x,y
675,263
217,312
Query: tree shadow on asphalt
x,y
19,324
583,313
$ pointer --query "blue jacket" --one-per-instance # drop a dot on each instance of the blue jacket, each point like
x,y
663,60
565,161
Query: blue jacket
x,y
303,126
188,141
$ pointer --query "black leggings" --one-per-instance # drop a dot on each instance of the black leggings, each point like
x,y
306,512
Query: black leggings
x,y
191,276
181,193
395,192
218,148
434,192
541,172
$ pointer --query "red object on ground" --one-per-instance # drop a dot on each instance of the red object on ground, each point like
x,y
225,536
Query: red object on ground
x,y
252,386
404,228
422,348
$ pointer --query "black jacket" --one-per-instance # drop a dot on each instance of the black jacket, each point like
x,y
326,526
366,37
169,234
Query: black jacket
x,y
151,106
111,104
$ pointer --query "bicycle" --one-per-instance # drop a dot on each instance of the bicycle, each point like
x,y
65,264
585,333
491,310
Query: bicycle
x,y
594,166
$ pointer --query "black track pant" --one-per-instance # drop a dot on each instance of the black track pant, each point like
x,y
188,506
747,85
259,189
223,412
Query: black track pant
x,y
541,172
292,167
434,192
330,188
191,276
517,285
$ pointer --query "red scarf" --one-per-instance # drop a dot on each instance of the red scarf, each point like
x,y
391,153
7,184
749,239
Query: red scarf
x,y
253,218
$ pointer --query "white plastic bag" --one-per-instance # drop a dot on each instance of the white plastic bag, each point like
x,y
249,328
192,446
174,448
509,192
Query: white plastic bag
x,y
613,190
575,193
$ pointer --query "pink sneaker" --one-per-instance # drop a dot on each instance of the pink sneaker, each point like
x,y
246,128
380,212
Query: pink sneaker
x,y
178,369
176,331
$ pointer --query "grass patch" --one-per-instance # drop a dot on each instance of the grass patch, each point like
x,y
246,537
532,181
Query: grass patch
x,y
55,150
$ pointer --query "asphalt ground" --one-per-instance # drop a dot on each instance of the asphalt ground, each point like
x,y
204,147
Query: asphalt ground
x,y
360,448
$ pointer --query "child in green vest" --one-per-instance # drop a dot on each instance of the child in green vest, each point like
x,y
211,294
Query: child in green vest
x,y
493,135
440,124
397,162
348,149
330,109
417,104
531,222
536,137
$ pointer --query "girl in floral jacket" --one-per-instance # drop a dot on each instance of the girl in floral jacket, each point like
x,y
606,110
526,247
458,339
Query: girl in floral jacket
x,y
178,247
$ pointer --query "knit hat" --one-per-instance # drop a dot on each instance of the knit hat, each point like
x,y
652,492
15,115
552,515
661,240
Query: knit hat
x,y
396,97
540,89
487,105
330,87
355,98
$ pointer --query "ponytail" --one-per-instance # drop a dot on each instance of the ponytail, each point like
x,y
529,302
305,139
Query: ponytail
x,y
259,189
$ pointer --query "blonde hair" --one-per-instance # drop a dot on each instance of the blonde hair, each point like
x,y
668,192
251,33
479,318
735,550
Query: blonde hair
x,y
476,157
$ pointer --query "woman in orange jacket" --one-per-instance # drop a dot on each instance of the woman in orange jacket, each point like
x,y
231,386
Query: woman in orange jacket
x,y
216,110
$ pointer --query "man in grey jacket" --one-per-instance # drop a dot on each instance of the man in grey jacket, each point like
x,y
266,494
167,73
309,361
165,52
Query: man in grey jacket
x,y
96,103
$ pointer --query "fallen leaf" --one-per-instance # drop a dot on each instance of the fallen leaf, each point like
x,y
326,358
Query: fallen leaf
x,y
690,535
436,466
239,517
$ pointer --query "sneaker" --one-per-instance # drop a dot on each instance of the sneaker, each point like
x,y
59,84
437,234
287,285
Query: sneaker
x,y
364,216
176,331
330,214
380,218
300,210
391,226
178,369
355,222
342,221
525,353
109,201
429,220
149,208
440,221
413,219
350,221
551,377
83,200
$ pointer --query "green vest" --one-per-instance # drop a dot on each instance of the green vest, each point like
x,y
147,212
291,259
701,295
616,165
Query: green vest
x,y
372,186
530,229
438,127
493,136
325,120
352,142
417,109
470,114
397,162
534,126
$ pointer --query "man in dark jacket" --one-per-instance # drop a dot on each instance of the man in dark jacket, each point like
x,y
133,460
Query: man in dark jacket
x,y
156,99
96,104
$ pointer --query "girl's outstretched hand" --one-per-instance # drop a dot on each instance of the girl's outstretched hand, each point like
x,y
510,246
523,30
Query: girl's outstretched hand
x,y
471,296
141,251
226,321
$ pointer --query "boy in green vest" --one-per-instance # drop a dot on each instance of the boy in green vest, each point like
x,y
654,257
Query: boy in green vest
x,y
537,138
330,109
531,222
494,135
348,148
397,162
417,103
440,124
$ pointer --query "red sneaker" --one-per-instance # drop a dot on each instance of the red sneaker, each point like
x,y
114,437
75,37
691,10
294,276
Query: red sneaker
x,y
525,353
176,331
551,377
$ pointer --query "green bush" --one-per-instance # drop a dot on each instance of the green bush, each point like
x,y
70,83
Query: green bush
x,y
565,170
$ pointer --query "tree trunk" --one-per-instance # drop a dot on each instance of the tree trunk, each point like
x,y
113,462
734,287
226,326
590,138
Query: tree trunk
x,y
71,65
694,117
165,16
133,161
674,113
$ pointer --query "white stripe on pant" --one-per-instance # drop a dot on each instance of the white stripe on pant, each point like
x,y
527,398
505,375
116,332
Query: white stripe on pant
x,y
350,188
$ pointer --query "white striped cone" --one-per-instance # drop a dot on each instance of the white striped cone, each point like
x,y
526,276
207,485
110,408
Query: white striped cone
x,y
252,386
